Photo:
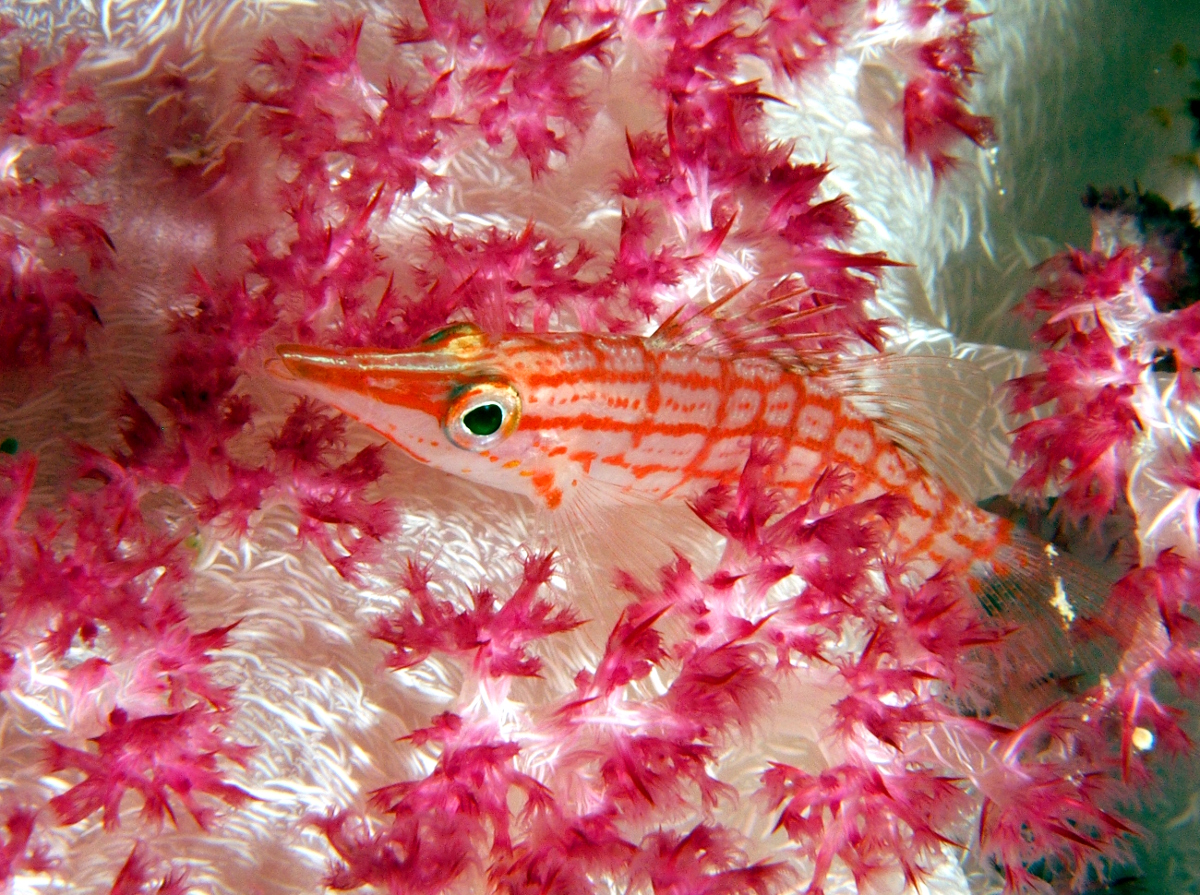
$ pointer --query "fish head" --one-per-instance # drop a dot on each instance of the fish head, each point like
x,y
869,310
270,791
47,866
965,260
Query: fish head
x,y
454,402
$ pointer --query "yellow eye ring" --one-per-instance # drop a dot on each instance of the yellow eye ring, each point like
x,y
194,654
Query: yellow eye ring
x,y
482,414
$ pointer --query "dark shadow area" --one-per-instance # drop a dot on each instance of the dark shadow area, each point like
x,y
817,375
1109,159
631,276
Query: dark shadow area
x,y
1107,107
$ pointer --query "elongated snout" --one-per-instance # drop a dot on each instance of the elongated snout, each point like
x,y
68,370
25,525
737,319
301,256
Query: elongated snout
x,y
353,367
419,379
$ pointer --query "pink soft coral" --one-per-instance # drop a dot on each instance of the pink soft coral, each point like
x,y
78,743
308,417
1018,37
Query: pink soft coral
x,y
153,756
97,566
503,280
335,514
804,34
617,777
496,637
510,80
1178,332
868,816
1086,445
1092,375
935,108
52,143
135,877
1050,795
705,861
440,824
562,853
19,851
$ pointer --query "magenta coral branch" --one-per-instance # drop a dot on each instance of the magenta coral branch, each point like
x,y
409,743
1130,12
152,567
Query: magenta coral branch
x,y
99,566
152,756
493,638
935,98
867,816
19,852
562,853
1179,333
442,823
803,35
53,141
335,515
705,861
1085,446
135,877
511,83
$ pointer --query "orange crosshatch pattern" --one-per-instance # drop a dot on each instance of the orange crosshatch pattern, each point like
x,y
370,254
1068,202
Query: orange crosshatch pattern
x,y
648,420
709,411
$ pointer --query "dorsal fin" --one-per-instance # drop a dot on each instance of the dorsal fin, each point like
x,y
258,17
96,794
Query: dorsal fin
x,y
936,408
792,324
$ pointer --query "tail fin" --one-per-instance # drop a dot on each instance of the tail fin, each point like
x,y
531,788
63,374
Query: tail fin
x,y
1045,600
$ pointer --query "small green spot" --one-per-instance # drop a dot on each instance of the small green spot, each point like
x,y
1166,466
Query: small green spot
x,y
9,445
485,419
1178,55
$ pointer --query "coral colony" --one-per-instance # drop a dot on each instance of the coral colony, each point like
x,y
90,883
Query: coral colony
x,y
612,774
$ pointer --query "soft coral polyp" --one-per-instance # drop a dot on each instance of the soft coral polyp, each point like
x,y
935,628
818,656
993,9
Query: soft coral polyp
x,y
53,141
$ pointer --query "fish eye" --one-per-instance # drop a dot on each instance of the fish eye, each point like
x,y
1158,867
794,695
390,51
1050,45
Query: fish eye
x,y
485,419
482,415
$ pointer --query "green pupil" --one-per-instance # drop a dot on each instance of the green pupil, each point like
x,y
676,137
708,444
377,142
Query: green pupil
x,y
484,419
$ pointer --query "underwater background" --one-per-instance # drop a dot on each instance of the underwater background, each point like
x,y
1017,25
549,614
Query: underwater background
x,y
248,611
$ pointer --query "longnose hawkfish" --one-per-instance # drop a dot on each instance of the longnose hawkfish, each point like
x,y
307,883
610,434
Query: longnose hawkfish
x,y
572,420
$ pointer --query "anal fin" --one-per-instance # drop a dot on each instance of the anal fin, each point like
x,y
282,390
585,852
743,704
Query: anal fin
x,y
603,531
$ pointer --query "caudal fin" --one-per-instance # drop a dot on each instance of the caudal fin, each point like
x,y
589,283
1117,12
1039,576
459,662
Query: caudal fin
x,y
1044,600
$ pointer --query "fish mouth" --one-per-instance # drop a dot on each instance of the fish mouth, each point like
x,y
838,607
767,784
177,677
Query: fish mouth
x,y
278,369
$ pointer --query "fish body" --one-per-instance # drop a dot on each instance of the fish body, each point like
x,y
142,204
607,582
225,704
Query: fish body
x,y
570,418
575,422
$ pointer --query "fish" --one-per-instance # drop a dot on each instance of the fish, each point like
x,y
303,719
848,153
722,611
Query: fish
x,y
578,423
